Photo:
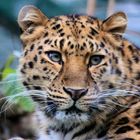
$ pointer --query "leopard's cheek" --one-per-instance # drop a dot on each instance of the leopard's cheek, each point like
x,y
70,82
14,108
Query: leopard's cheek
x,y
98,72
38,74
101,76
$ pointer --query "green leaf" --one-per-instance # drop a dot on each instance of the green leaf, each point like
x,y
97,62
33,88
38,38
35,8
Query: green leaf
x,y
7,71
27,104
7,67
9,61
13,88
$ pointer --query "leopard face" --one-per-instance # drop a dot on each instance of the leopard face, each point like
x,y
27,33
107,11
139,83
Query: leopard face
x,y
72,64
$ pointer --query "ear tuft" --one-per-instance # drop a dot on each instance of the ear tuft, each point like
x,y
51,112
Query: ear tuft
x,y
30,15
115,24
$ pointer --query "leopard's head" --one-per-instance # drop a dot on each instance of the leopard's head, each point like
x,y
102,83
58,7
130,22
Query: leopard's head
x,y
71,63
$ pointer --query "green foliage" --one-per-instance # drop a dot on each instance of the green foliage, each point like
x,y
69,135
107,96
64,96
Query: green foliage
x,y
13,89
7,69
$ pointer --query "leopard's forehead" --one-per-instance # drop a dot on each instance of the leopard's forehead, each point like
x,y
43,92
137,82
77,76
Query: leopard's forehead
x,y
71,33
74,25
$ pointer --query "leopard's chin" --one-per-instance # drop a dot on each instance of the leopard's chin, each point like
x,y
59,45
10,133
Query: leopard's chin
x,y
72,114
75,116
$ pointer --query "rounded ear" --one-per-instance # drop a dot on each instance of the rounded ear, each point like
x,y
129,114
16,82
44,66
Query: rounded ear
x,y
30,15
115,24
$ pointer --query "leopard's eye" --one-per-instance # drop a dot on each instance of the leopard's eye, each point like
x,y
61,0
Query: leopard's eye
x,y
96,59
54,56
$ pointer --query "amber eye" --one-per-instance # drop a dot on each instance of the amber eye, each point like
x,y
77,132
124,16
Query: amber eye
x,y
96,59
54,56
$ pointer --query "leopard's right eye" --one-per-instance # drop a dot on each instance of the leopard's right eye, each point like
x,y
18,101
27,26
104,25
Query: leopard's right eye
x,y
54,56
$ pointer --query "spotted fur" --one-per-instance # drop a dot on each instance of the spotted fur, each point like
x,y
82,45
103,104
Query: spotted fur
x,y
76,99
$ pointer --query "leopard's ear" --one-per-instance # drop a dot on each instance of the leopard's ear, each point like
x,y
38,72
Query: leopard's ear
x,y
115,24
30,16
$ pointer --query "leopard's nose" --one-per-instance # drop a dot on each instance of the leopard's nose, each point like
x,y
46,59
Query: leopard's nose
x,y
75,93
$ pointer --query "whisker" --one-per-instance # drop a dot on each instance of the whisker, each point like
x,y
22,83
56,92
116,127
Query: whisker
x,y
10,81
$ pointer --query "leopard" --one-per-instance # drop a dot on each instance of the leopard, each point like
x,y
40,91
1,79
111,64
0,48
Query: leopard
x,y
82,74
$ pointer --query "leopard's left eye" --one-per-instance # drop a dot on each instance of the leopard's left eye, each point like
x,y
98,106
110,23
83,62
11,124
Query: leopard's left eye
x,y
54,56
96,59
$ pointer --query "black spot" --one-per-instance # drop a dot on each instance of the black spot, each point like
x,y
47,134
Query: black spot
x,y
137,76
50,41
110,61
82,48
45,77
43,61
102,133
45,68
55,42
59,31
118,71
71,46
61,43
120,49
103,70
46,34
56,27
62,34
102,45
122,121
69,43
136,59
84,44
124,129
131,48
138,132
37,87
90,36
129,62
32,47
31,65
106,50
26,52
80,31
35,58
40,52
138,110
110,86
46,41
22,71
137,125
116,60
40,47
91,44
24,66
36,77
25,83
82,26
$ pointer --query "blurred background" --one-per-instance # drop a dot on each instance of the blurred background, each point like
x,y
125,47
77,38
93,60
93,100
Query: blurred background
x,y
9,30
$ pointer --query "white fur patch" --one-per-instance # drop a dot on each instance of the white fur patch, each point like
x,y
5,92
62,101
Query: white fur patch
x,y
71,118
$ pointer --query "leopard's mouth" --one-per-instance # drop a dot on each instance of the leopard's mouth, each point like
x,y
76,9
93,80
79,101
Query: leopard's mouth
x,y
73,109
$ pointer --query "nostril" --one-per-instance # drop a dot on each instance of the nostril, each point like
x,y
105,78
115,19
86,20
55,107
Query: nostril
x,y
68,91
75,93
83,91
